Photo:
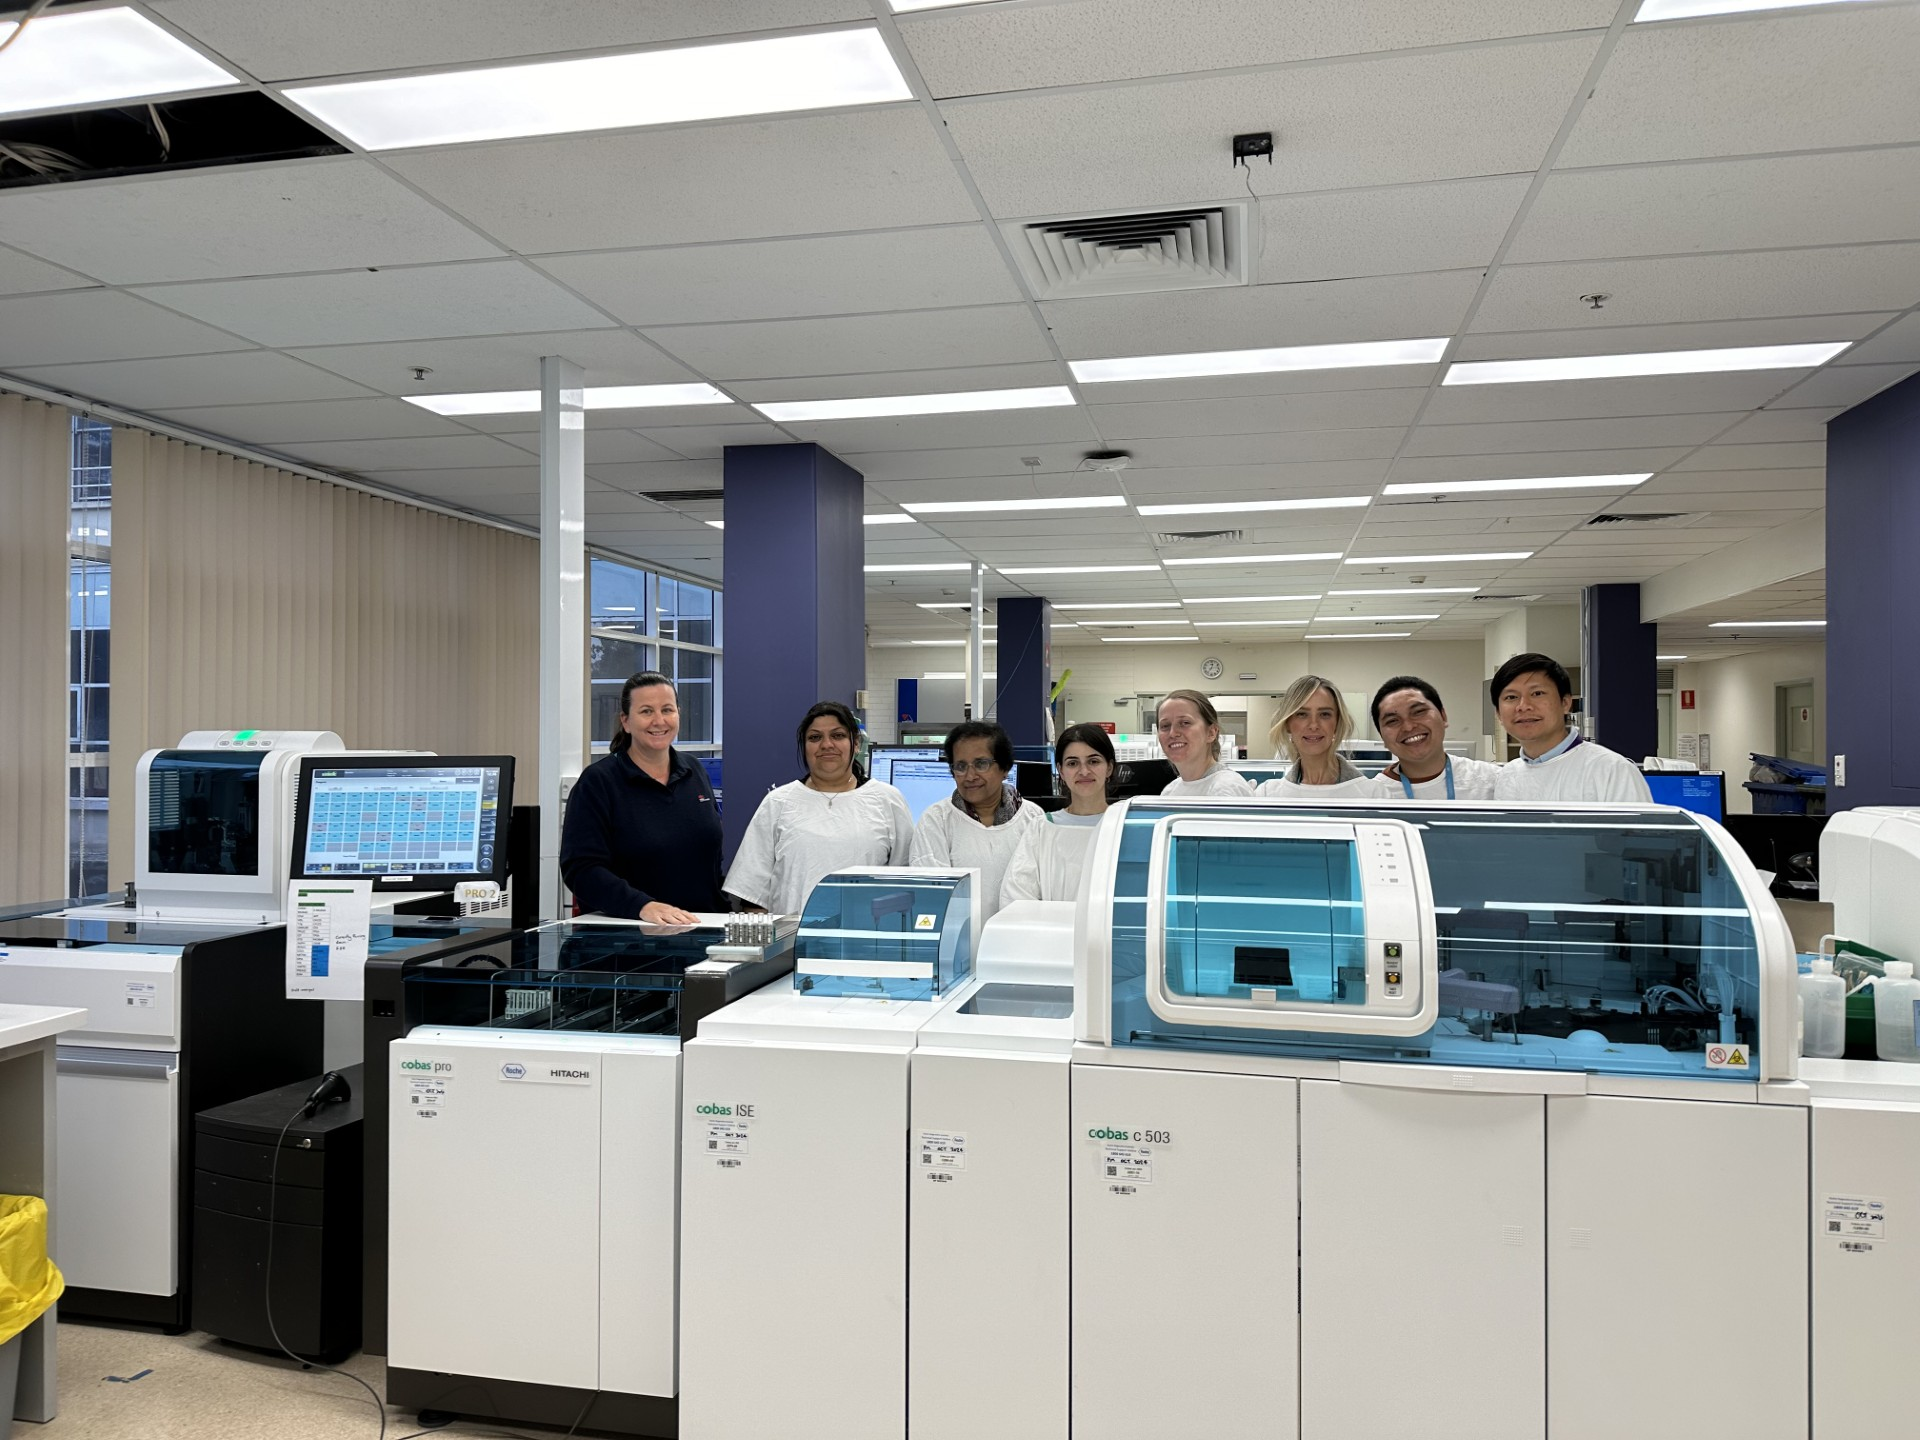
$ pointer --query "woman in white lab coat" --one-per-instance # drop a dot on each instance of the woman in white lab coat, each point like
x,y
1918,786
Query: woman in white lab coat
x,y
982,822
1050,858
833,819
1189,730
1309,728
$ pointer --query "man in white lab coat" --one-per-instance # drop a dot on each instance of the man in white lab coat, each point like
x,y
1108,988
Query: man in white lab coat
x,y
1534,699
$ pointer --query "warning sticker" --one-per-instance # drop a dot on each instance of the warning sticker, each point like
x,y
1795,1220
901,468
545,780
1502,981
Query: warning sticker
x,y
1853,1217
427,1095
727,1138
1127,1163
943,1150
923,922
1729,1057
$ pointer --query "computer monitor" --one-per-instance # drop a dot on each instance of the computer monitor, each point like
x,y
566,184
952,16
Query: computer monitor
x,y
917,772
1703,792
405,822
881,757
1033,779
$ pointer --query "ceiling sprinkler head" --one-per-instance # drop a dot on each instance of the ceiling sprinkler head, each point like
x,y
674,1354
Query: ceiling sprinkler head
x,y
420,372
1595,300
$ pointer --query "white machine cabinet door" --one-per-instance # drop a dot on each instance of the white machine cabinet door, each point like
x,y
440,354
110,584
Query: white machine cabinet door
x,y
1866,1264
117,1191
1185,1255
987,1268
1422,1264
793,1242
639,1217
1676,1269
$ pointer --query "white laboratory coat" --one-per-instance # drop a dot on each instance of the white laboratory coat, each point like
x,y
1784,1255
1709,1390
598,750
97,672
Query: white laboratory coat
x,y
1586,772
1472,780
948,835
1049,859
1217,781
1351,785
798,836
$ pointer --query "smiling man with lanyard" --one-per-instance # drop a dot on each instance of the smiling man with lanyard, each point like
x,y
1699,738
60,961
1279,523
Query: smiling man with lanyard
x,y
1534,698
1410,719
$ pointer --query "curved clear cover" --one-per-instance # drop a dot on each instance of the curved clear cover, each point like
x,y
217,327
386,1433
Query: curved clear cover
x,y
1573,940
885,934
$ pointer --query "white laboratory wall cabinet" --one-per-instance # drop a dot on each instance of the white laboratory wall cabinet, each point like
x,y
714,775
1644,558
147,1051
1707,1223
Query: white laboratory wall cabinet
x,y
1677,1270
988,1286
1866,1265
1185,1260
794,1241
1423,1264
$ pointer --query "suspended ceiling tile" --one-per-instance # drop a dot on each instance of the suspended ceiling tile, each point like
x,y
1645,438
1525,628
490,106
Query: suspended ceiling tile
x,y
298,422
778,279
499,362
903,382
853,438
706,442
660,417
1770,427
1598,337
1777,202
438,453
1848,384
490,484
1750,487
1432,116
623,447
329,214
1542,435
23,274
883,467
1755,457
1831,78
787,176
1330,410
1198,484
1284,382
999,48
487,297
1403,229
662,475
1396,307
287,39
1706,287
855,344
1597,399
249,376
98,325
1376,444
1621,461
1899,343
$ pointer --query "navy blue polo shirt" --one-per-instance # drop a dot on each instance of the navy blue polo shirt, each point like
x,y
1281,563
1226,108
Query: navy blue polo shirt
x,y
629,840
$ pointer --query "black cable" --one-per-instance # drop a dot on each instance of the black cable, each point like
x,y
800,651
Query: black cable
x,y
273,1195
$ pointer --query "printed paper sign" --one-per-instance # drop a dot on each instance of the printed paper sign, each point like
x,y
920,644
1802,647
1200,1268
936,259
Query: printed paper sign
x,y
1130,1163
1854,1217
328,922
943,1150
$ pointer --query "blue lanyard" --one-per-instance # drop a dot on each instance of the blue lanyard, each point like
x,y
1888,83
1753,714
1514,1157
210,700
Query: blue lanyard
x,y
1407,785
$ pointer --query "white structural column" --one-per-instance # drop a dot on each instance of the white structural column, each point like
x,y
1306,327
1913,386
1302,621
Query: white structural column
x,y
563,607
976,646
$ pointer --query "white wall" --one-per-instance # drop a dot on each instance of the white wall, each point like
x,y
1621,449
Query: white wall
x,y
1734,705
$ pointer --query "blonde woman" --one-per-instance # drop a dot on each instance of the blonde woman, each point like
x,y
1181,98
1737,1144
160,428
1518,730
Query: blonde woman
x,y
1309,728
1189,731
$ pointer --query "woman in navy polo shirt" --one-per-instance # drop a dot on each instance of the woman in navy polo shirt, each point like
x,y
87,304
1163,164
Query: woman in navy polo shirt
x,y
642,834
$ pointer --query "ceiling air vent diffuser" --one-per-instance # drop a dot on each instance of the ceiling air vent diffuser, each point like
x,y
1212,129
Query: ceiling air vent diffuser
x,y
1670,520
1165,538
1126,254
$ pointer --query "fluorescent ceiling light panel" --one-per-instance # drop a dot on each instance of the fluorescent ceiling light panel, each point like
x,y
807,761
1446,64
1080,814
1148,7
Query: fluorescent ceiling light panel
x,y
907,7
939,642
1128,605
1077,569
959,402
1436,559
1373,619
956,675
1259,362
1765,624
1649,9
1669,657
611,92
1149,639
918,569
1561,482
1415,590
886,517
1237,507
594,397
718,524
1111,624
1245,599
1252,559
1061,502
944,605
1366,635
93,56
1659,362
1223,624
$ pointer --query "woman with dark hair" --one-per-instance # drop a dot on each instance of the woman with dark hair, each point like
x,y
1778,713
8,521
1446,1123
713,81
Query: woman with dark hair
x,y
982,822
642,834
1051,856
832,818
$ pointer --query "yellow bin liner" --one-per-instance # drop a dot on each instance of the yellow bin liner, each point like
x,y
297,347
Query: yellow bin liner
x,y
29,1281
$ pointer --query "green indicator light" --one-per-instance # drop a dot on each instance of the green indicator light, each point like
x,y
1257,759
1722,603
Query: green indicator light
x,y
245,734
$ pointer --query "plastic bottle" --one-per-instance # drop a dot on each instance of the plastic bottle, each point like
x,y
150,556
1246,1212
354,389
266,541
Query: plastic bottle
x,y
1823,998
1894,996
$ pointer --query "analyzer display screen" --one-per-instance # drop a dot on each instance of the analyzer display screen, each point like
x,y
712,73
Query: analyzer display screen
x,y
1704,794
402,820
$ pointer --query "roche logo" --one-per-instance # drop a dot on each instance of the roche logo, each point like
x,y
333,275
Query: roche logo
x,y
513,1070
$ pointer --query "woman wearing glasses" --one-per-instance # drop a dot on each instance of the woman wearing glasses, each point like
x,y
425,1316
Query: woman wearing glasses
x,y
981,823
831,820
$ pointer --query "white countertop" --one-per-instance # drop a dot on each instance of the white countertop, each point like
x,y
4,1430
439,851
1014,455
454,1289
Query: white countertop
x,y
23,1024
1861,1080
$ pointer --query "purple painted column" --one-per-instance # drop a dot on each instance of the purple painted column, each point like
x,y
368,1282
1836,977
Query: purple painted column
x,y
796,609
1023,650
1619,686
1873,598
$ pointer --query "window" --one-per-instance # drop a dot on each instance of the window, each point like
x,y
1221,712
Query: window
x,y
89,654
639,620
